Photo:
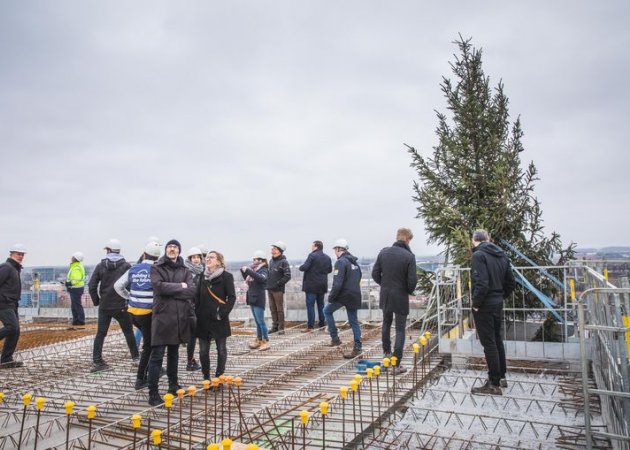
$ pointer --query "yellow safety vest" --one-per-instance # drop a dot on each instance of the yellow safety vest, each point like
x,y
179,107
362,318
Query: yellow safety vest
x,y
76,275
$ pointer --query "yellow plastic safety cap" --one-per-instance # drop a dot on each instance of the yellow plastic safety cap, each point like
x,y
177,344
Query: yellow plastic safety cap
x,y
215,382
251,447
222,379
39,403
1,397
416,348
323,408
229,379
168,400
394,361
91,412
135,420
377,370
358,378
369,372
26,399
157,437
238,381
213,447
423,341
69,406
343,390
354,385
385,362
180,393
206,384
304,416
192,390
226,443
427,334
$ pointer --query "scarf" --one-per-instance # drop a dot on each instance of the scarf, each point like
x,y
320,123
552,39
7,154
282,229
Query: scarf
x,y
196,269
208,276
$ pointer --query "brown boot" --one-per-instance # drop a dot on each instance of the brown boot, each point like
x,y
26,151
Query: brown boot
x,y
255,343
264,345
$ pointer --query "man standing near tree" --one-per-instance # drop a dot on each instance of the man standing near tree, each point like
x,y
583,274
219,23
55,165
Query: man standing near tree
x,y
492,281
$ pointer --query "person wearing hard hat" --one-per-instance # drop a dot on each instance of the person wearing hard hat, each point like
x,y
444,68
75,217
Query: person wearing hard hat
x,y
135,286
110,304
194,263
10,291
395,271
255,277
315,284
279,276
75,284
345,291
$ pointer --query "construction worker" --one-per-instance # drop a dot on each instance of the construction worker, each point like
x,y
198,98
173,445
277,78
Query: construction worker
x,y
255,277
315,284
10,291
345,291
135,286
110,304
279,276
195,263
75,284
395,271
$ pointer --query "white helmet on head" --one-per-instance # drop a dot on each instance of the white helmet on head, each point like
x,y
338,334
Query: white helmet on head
x,y
259,254
152,239
153,249
204,249
341,243
78,256
280,246
193,251
114,245
17,248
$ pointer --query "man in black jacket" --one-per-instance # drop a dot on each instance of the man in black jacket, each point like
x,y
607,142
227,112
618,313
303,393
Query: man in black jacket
x,y
492,281
315,283
10,291
279,276
110,304
395,271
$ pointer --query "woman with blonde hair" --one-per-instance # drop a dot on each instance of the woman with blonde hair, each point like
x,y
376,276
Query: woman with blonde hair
x,y
214,299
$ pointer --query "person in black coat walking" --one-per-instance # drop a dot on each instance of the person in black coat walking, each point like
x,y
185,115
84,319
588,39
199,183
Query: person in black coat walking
x,y
10,291
492,281
315,283
110,304
256,278
214,299
173,320
395,271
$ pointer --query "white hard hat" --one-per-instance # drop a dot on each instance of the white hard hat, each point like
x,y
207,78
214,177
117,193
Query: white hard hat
x,y
153,249
280,246
341,243
78,256
152,239
204,248
193,251
113,244
18,248
259,254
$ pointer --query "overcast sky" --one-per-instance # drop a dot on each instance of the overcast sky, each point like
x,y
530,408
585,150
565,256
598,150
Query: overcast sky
x,y
240,123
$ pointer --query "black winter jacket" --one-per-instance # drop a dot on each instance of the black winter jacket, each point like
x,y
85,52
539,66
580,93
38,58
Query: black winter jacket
x,y
492,278
10,284
316,269
346,288
279,273
256,291
173,321
213,317
395,271
101,285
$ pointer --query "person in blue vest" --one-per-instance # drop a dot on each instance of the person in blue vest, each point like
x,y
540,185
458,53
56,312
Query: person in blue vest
x,y
10,291
135,286
315,284
75,284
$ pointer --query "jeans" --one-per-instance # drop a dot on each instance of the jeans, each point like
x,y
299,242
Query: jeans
x,y
138,336
329,309
261,326
204,356
401,322
311,300
10,332
276,305
489,324
155,366
143,323
104,320
78,314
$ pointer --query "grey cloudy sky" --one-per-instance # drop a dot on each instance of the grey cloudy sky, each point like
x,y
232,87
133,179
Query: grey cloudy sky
x,y
240,123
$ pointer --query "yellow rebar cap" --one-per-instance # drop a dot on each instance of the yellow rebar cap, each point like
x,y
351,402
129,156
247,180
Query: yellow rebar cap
x,y
343,390
377,370
69,405
416,348
213,447
168,400
135,420
39,403
226,443
323,408
385,362
26,399
91,412
157,437
304,416
192,390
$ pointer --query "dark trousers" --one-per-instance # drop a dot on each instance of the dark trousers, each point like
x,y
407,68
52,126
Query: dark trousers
x,y
143,323
311,300
10,332
155,366
78,315
204,356
104,320
190,348
276,305
401,323
489,324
